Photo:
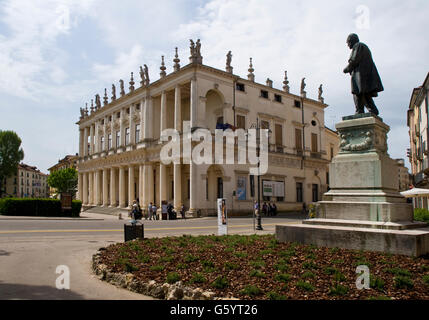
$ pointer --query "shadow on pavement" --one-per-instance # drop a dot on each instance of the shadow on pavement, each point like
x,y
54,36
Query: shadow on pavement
x,y
4,253
11,291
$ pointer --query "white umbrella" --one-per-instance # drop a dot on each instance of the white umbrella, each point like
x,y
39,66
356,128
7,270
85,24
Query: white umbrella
x,y
415,192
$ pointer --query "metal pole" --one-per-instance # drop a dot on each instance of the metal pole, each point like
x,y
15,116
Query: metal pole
x,y
259,227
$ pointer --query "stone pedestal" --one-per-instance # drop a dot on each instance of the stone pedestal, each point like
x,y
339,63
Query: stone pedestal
x,y
363,209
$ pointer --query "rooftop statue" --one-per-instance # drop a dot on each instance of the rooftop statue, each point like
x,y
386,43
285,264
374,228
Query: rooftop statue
x,y
228,59
146,74
142,81
366,82
113,92
121,84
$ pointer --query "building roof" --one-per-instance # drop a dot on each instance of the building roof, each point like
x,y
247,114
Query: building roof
x,y
27,167
66,159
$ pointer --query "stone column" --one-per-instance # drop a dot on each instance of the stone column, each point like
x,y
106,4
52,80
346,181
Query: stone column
x,y
202,112
148,118
97,188
132,125
105,188
194,103
122,129
142,116
85,188
106,135
81,144
145,198
177,109
113,187
162,183
79,186
177,186
163,115
112,131
91,188
131,190
91,139
141,186
150,182
122,203
85,141
193,188
97,137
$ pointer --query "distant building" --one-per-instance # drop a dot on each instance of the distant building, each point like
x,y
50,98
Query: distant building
x,y
69,161
403,176
417,121
29,182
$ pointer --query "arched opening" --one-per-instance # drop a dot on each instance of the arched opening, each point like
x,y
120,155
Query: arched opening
x,y
214,108
214,185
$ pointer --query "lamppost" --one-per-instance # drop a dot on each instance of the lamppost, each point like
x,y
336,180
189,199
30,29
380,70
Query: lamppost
x,y
258,150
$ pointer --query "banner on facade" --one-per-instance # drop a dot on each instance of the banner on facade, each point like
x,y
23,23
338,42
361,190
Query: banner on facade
x,y
241,188
222,217
273,188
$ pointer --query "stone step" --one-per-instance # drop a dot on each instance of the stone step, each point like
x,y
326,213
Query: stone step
x,y
399,225
109,210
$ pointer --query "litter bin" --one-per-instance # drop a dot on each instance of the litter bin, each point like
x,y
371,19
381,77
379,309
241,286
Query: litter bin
x,y
133,231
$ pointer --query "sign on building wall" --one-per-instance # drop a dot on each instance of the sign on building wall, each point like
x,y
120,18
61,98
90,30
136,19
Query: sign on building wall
x,y
273,188
241,188
222,217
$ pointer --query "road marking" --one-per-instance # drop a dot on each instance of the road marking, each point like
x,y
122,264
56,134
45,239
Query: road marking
x,y
119,230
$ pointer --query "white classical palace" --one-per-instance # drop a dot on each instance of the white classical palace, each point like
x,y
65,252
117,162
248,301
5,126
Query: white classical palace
x,y
119,155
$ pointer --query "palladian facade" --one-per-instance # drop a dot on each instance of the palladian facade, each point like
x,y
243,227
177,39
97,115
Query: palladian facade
x,y
120,145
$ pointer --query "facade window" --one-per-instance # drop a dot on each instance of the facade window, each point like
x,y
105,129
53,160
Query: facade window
x,y
239,86
299,195
219,187
102,143
332,153
189,189
298,140
297,104
118,138
278,98
241,122
109,141
279,135
137,133
264,94
138,106
315,192
265,124
314,142
207,188
127,136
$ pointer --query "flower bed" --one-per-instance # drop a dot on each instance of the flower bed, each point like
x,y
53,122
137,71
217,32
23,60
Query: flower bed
x,y
256,267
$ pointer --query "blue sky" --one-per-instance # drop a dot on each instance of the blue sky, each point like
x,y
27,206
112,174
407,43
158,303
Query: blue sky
x,y
55,55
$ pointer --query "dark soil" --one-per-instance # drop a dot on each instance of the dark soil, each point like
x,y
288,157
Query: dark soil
x,y
258,267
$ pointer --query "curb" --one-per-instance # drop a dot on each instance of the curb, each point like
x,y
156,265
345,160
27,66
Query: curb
x,y
164,291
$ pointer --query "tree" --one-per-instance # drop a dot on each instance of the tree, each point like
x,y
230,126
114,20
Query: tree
x,y
11,154
64,180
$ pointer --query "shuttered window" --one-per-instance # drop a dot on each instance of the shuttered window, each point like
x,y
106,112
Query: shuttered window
x,y
314,142
279,135
298,139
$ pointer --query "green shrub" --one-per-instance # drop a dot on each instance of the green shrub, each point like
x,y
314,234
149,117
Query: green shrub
x,y
283,277
258,264
172,277
398,272
403,282
305,285
37,207
156,268
421,215
191,258
257,273
76,207
338,290
275,296
309,265
308,275
426,279
230,266
198,278
220,283
251,290
376,283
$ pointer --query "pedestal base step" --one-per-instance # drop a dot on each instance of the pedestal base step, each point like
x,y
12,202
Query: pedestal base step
x,y
400,225
406,242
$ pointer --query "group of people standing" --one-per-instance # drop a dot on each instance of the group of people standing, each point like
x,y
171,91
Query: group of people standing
x,y
151,212
269,209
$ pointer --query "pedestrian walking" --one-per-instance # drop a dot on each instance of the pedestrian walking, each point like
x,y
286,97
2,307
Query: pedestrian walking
x,y
182,211
149,211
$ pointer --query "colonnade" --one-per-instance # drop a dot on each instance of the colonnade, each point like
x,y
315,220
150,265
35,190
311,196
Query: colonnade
x,y
118,186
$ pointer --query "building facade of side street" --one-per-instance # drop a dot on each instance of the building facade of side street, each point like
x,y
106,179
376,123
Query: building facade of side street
x,y
69,161
29,182
119,154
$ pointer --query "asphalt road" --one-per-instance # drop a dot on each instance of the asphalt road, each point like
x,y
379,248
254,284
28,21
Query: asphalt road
x,y
31,250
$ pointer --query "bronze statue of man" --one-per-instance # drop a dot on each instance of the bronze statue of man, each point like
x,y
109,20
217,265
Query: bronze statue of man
x,y
366,82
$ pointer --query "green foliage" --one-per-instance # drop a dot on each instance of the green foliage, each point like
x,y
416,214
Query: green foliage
x,y
308,275
240,254
307,286
76,207
309,265
126,265
426,279
64,180
379,298
275,296
398,272
220,283
376,283
37,207
257,273
156,268
421,215
251,290
258,264
231,266
11,154
182,266
283,277
338,290
266,252
198,278
403,282
190,258
143,258
166,259
172,277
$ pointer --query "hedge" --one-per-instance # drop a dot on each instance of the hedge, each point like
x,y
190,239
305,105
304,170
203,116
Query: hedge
x,y
421,215
37,207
